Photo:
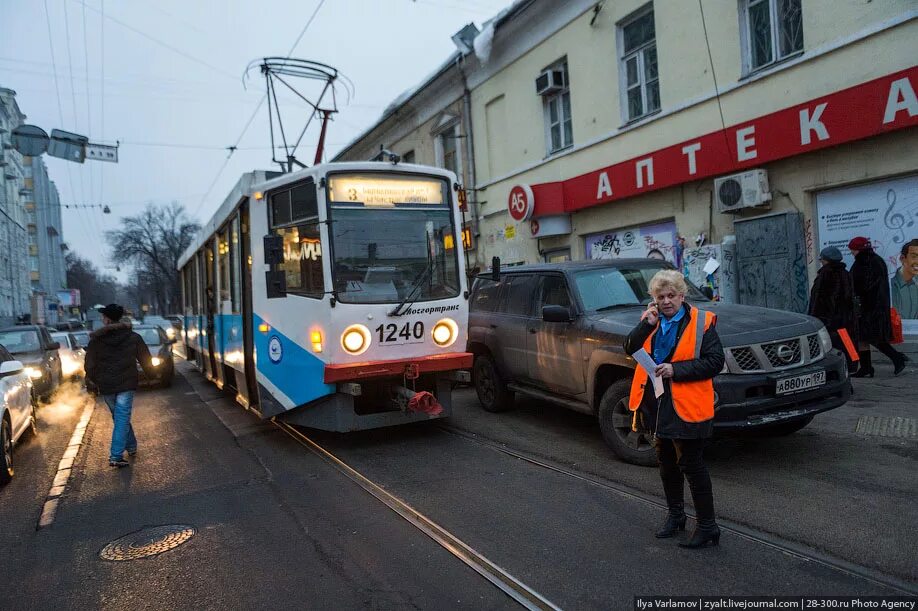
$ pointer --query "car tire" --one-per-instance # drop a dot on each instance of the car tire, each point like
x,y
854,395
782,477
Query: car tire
x,y
490,387
615,423
6,451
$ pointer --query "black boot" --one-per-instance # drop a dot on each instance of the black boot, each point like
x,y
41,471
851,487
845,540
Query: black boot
x,y
675,522
866,367
705,530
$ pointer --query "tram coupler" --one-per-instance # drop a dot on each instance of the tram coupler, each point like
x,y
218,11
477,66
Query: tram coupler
x,y
423,401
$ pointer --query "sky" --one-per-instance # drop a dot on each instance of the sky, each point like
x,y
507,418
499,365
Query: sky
x,y
164,78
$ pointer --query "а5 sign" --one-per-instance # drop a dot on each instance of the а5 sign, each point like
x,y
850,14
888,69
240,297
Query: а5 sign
x,y
521,203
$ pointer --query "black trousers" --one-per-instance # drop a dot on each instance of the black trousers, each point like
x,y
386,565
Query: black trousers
x,y
682,458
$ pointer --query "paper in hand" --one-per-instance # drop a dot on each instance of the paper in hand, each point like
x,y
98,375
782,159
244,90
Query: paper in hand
x,y
643,359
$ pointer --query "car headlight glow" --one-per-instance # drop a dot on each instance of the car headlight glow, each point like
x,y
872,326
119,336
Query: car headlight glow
x,y
355,339
33,372
445,332
157,361
825,339
170,333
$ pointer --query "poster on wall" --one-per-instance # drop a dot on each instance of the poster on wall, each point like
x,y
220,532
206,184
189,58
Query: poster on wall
x,y
885,212
654,241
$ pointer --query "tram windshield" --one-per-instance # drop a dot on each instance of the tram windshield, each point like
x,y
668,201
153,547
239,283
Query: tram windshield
x,y
392,236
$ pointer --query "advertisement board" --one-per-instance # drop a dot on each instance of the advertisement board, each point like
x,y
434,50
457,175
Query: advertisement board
x,y
885,212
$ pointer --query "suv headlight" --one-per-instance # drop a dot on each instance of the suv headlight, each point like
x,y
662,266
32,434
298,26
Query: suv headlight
x,y
34,372
826,340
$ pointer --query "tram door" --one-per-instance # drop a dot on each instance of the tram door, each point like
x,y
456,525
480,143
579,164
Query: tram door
x,y
250,391
210,311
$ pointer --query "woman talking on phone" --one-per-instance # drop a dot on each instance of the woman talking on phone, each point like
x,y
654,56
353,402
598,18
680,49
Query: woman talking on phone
x,y
687,352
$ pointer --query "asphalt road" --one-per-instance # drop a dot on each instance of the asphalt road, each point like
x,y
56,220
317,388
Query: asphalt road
x,y
278,527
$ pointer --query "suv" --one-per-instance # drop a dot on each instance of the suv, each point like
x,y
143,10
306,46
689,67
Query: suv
x,y
555,332
38,352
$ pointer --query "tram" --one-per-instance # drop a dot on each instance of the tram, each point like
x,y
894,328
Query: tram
x,y
333,297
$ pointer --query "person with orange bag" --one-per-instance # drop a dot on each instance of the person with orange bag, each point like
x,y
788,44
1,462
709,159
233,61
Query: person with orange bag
x,y
871,286
832,302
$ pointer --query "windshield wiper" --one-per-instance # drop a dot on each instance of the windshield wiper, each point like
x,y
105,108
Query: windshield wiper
x,y
615,306
418,281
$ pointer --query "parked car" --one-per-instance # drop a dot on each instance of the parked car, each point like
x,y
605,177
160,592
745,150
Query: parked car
x,y
81,338
38,352
17,410
161,349
555,332
176,321
72,354
70,325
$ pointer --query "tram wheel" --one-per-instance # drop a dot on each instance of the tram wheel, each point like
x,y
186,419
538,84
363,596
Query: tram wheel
x,y
492,392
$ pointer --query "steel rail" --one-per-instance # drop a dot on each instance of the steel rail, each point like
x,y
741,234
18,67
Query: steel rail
x,y
775,542
507,583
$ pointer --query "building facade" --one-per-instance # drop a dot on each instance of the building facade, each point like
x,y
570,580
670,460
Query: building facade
x,y
15,285
753,133
46,242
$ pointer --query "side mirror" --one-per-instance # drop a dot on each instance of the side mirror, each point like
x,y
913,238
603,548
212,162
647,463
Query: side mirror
x,y
495,269
553,313
8,367
274,249
54,346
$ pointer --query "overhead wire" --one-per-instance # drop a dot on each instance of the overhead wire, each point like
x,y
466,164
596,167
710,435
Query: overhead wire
x,y
60,108
248,123
92,185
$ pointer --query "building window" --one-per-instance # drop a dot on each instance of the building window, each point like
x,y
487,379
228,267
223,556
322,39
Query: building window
x,y
559,126
773,30
448,150
640,78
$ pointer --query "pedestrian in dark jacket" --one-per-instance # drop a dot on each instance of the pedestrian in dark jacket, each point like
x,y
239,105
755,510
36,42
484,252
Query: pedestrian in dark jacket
x,y
871,286
832,298
683,342
111,371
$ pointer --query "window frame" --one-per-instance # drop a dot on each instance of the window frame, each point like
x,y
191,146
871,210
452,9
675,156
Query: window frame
x,y
637,53
507,280
538,301
449,131
558,97
746,38
311,220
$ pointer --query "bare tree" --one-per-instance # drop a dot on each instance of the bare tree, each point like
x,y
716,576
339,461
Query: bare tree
x,y
152,243
95,287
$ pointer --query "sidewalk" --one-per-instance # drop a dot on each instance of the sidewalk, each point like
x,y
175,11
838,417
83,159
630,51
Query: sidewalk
x,y
273,529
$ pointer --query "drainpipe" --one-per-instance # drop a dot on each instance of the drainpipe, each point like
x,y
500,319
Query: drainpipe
x,y
471,191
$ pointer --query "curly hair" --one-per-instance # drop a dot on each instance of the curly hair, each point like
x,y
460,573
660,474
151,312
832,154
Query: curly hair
x,y
668,279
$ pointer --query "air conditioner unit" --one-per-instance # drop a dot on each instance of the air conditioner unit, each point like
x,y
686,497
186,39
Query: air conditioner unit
x,y
549,82
745,190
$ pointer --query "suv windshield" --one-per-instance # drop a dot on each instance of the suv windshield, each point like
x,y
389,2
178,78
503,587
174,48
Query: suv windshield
x,y
150,336
20,341
390,234
608,287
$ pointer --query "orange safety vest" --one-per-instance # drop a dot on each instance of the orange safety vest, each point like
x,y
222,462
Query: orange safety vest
x,y
693,401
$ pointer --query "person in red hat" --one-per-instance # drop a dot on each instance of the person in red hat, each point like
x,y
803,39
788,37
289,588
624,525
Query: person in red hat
x,y
871,287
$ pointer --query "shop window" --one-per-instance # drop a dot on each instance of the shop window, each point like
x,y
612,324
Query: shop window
x,y
772,30
559,125
557,256
639,75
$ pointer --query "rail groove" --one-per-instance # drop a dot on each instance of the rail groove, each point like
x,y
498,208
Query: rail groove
x,y
507,583
797,550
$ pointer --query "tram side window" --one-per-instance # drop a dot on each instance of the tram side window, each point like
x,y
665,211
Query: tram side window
x,y
235,269
294,217
223,264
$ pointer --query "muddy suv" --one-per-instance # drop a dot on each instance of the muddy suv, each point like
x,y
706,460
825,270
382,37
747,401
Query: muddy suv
x,y
555,332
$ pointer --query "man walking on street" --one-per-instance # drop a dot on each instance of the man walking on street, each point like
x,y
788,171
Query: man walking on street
x,y
111,372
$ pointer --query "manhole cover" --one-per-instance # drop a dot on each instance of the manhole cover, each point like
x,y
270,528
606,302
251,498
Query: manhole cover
x,y
886,426
147,541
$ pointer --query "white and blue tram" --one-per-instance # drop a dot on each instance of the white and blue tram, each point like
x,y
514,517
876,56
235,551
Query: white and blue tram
x,y
333,297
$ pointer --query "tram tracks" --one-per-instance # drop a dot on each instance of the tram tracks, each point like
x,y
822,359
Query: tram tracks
x,y
791,548
499,577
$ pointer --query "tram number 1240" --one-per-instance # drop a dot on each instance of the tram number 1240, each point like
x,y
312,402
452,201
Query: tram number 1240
x,y
392,334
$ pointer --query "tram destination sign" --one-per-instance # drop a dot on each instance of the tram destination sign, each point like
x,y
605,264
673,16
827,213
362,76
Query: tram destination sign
x,y
384,191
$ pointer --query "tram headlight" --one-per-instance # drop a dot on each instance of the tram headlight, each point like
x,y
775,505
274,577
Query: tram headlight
x,y
156,361
445,332
355,339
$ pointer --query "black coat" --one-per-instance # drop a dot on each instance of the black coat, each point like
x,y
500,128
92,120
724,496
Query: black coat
x,y
708,365
832,298
871,286
111,359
